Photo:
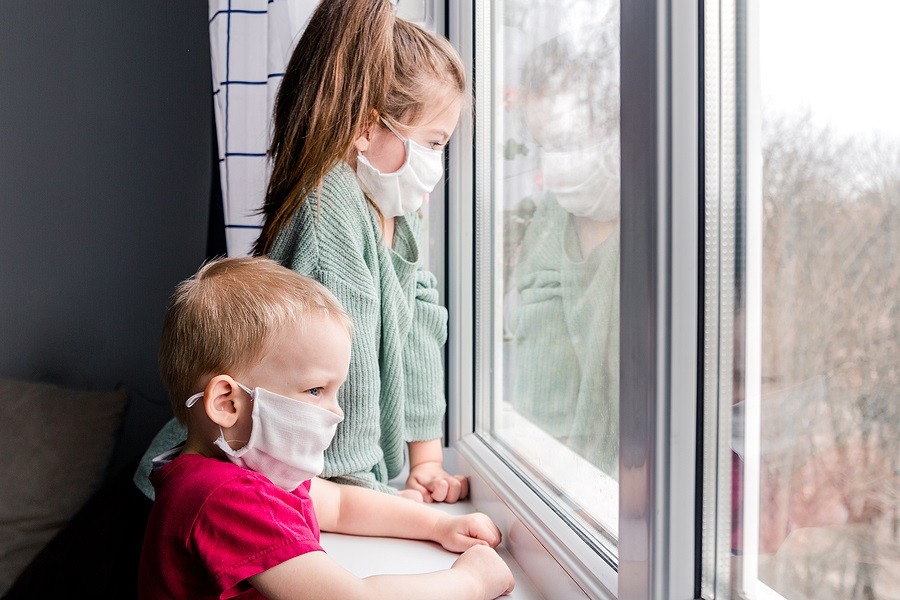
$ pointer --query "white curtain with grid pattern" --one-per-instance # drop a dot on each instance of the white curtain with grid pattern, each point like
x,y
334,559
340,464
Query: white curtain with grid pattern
x,y
250,43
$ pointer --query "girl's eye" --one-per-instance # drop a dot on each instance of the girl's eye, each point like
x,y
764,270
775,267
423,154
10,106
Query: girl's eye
x,y
436,145
316,391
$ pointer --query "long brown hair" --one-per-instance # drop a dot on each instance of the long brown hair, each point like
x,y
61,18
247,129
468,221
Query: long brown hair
x,y
355,60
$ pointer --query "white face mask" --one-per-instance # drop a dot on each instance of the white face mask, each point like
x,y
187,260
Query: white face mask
x,y
402,191
584,182
288,438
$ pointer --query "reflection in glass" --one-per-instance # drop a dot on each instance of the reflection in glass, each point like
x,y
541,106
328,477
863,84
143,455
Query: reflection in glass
x,y
558,199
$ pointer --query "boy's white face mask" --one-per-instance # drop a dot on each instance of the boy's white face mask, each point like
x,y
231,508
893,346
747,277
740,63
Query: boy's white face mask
x,y
402,191
584,182
288,438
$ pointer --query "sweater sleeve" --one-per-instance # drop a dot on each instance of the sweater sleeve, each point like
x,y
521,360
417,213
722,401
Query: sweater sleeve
x,y
171,434
423,361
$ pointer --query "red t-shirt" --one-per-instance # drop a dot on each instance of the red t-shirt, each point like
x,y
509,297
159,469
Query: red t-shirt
x,y
214,524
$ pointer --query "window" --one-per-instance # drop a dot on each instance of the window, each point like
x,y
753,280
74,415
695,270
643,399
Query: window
x,y
571,128
554,203
538,274
803,194
759,178
546,288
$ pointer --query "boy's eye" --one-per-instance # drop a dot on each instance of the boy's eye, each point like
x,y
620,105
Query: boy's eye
x,y
436,145
316,391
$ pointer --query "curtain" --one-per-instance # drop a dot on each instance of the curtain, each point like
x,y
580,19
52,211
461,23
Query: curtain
x,y
250,44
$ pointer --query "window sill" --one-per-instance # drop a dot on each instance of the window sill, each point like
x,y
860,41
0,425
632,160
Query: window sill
x,y
365,556
585,484
559,563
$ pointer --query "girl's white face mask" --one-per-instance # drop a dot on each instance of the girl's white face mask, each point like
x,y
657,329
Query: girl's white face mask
x,y
584,182
402,191
288,438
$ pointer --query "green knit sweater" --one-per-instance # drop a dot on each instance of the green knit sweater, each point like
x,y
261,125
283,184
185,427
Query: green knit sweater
x,y
394,392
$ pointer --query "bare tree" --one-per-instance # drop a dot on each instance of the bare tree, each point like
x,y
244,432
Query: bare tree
x,y
831,302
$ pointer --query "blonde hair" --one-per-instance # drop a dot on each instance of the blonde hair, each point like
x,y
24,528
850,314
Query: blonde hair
x,y
355,59
225,315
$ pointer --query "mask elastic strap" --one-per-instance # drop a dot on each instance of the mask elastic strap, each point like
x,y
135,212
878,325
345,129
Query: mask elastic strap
x,y
246,389
394,131
227,444
193,399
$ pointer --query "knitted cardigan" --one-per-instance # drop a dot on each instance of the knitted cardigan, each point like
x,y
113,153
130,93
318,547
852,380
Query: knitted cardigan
x,y
394,391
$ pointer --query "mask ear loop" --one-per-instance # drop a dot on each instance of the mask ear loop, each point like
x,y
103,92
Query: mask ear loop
x,y
246,389
407,145
243,443
193,399
393,130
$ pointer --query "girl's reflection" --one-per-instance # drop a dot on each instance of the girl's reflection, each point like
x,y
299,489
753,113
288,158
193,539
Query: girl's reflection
x,y
566,325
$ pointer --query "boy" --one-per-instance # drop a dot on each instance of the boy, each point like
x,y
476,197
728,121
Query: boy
x,y
253,355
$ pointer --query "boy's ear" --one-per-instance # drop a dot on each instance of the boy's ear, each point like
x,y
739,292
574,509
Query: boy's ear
x,y
224,400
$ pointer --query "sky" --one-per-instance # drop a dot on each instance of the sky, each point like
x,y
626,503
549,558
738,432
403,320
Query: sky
x,y
839,59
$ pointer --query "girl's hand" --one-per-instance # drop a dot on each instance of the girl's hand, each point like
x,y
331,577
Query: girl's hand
x,y
435,484
458,533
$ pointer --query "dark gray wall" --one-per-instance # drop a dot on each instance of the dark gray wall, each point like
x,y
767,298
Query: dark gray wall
x,y
105,135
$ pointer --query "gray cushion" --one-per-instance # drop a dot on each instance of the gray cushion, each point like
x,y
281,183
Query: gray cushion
x,y
55,444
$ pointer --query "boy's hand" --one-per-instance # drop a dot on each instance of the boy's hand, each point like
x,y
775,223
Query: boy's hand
x,y
458,533
488,571
435,484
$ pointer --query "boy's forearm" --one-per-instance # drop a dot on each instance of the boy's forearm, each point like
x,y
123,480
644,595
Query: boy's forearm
x,y
355,510
479,575
372,513
449,584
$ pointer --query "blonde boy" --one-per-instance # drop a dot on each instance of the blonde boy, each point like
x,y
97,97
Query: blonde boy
x,y
253,355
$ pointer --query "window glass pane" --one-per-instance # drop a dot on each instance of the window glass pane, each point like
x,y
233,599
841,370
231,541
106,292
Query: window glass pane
x,y
555,194
829,388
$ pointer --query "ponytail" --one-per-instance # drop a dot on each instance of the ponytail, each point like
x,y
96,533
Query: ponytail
x,y
338,72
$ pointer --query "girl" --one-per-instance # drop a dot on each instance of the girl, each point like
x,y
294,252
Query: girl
x,y
366,106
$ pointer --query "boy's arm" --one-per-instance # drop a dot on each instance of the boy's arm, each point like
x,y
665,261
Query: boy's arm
x,y
360,511
479,574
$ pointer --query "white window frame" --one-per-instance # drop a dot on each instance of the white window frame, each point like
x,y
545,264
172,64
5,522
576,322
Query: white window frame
x,y
733,201
751,583
660,281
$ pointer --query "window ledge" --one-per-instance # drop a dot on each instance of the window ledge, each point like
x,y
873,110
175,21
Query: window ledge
x,y
365,556
559,563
